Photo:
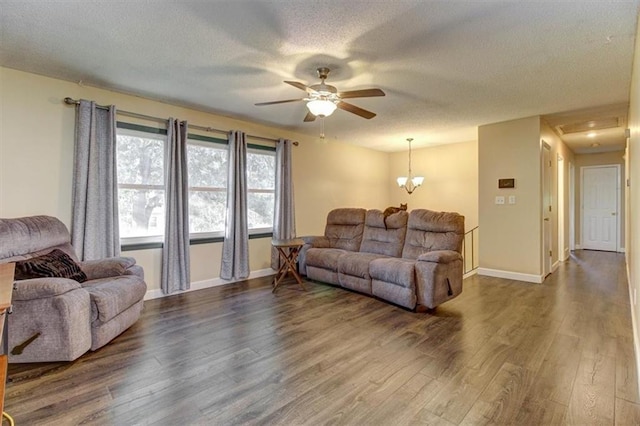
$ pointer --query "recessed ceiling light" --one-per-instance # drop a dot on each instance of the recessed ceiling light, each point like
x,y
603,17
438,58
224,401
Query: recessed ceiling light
x,y
595,145
591,134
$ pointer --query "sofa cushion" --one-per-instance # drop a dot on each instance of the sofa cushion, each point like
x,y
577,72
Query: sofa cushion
x,y
394,279
55,264
357,264
25,235
381,238
430,230
111,296
109,267
396,271
345,227
325,258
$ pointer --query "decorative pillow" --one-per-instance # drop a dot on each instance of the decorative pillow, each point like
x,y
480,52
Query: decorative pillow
x,y
54,264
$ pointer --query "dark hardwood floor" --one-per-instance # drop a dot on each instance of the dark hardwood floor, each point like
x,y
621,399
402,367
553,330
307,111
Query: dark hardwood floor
x,y
504,352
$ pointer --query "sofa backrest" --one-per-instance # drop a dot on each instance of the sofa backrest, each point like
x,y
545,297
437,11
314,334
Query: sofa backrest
x,y
26,237
345,227
428,230
381,239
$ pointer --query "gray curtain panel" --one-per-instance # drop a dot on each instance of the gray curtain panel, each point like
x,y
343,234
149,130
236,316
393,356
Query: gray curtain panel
x,y
235,248
284,222
175,251
94,223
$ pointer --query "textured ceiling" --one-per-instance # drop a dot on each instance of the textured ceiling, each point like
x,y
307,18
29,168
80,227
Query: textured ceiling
x,y
446,66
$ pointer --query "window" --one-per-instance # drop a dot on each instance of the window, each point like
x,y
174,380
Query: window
x,y
141,192
207,165
140,168
261,184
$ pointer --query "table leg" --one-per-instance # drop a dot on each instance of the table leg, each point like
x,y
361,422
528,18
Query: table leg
x,y
289,265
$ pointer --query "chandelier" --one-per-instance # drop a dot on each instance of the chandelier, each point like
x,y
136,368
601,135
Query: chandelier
x,y
410,183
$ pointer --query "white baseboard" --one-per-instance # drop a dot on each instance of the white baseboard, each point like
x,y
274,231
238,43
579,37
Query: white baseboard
x,y
214,282
578,247
530,278
469,274
621,250
636,338
566,254
555,266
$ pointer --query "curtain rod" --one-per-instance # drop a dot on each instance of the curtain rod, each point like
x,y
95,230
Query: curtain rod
x,y
70,101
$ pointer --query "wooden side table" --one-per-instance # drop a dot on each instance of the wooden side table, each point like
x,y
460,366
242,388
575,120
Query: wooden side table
x,y
288,251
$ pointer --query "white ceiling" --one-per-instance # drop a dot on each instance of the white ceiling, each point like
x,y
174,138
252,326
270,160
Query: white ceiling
x,y
446,66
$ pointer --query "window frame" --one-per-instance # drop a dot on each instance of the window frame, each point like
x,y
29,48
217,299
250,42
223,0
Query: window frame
x,y
261,150
215,236
136,130
151,242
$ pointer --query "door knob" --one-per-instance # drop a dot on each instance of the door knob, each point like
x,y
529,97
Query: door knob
x,y
546,219
613,214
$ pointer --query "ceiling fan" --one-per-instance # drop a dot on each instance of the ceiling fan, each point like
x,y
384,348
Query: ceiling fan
x,y
322,99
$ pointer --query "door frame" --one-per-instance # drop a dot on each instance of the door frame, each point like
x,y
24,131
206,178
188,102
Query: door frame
x,y
546,191
572,207
618,201
560,209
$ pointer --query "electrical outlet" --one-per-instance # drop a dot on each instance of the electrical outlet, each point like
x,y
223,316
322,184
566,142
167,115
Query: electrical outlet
x,y
512,199
499,199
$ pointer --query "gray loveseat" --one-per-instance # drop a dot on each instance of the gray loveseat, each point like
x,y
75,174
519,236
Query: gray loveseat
x,y
413,260
59,319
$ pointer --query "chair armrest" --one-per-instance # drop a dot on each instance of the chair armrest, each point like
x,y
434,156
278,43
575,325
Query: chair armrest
x,y
105,268
316,241
440,256
42,288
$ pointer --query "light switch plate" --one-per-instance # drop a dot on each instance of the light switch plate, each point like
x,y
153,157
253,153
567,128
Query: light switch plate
x,y
512,199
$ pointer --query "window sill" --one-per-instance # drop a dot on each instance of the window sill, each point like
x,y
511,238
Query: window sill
x,y
192,242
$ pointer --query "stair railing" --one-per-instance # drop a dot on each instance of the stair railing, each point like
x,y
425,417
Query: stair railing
x,y
469,250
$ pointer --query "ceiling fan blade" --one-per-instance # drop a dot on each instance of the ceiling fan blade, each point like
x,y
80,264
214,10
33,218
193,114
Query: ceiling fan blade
x,y
356,110
278,102
301,86
309,117
365,93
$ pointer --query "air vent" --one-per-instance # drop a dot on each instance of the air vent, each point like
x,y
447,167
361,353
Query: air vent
x,y
587,126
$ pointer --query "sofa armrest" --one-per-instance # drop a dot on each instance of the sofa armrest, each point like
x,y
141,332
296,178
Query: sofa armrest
x,y
42,288
105,268
316,241
440,256
310,242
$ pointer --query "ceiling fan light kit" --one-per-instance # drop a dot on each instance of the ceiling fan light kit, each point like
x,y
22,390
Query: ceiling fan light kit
x,y
321,107
323,99
410,182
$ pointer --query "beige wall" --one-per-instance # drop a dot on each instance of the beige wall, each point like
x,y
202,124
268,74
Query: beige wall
x,y
450,184
36,157
510,234
633,200
605,158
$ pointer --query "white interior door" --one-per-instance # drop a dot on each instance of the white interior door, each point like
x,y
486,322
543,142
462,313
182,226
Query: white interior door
x,y
600,208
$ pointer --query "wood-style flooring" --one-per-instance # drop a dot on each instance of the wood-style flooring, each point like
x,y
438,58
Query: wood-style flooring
x,y
503,352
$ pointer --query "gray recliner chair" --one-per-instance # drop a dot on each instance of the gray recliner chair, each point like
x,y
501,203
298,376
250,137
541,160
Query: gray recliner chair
x,y
59,319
